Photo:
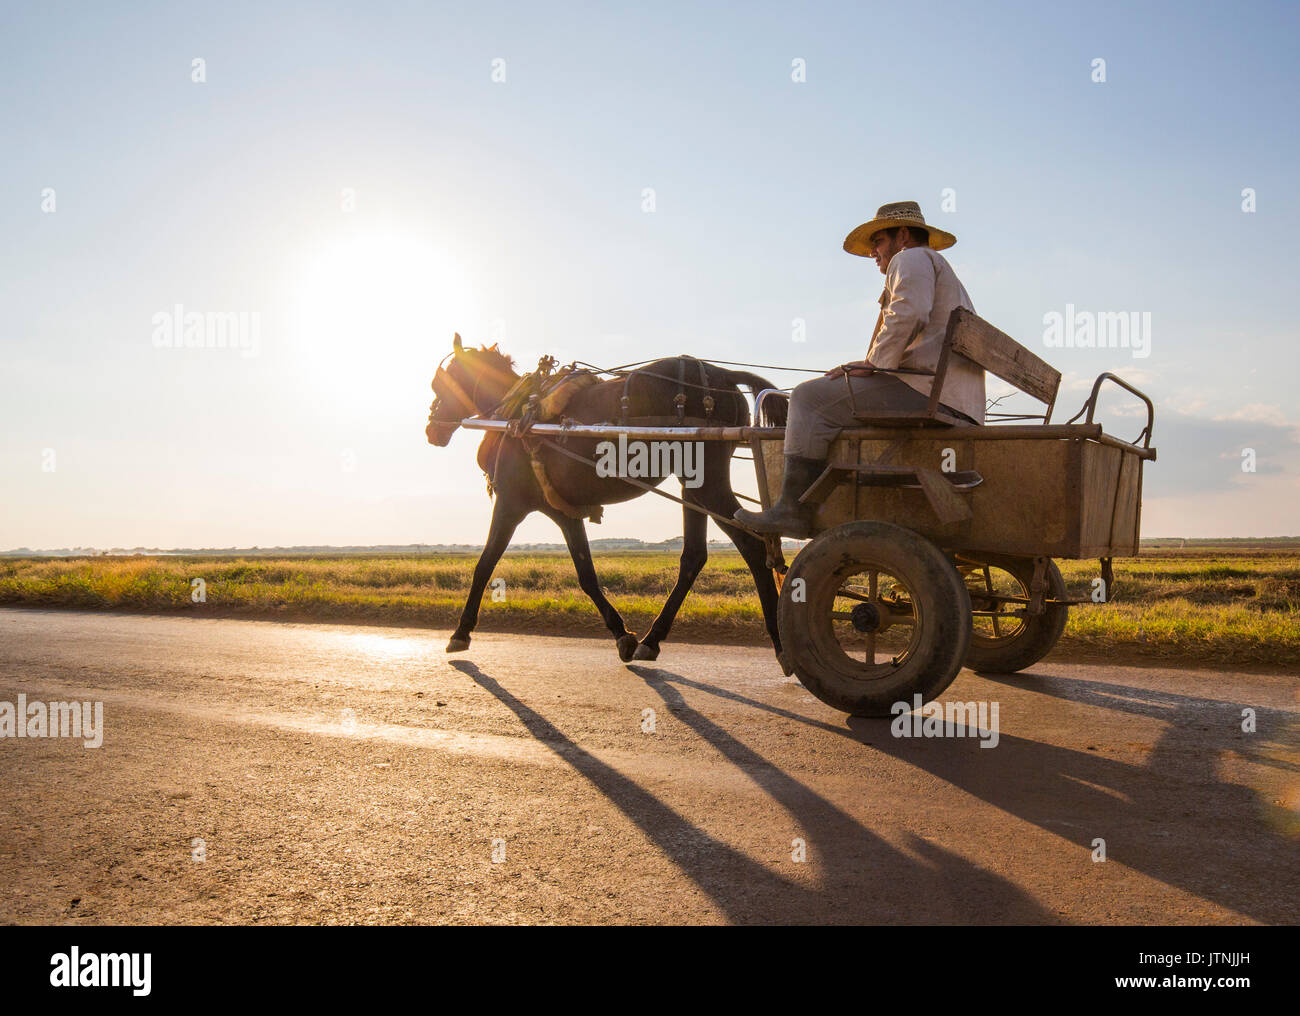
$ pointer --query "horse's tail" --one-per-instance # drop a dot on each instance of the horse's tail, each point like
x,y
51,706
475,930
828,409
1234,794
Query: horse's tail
x,y
774,410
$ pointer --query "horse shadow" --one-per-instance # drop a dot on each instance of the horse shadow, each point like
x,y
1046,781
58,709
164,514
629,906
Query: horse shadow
x,y
863,878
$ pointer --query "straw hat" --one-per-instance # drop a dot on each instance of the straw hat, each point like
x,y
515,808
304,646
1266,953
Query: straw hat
x,y
900,213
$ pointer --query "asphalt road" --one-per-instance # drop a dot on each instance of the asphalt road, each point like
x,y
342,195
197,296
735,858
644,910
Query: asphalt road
x,y
347,774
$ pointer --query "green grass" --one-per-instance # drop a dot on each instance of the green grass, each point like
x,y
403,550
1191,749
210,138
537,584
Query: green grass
x,y
1205,605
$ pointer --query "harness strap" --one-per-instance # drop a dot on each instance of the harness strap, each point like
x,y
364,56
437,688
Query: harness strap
x,y
663,421
526,393
444,382
553,497
721,520
624,402
704,383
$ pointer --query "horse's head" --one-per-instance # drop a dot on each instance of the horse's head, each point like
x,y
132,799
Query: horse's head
x,y
469,382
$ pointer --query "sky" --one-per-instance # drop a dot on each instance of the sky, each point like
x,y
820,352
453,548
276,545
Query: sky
x,y
355,182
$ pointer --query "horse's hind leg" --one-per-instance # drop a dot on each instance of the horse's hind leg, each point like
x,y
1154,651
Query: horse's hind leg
x,y
752,549
695,552
575,535
505,519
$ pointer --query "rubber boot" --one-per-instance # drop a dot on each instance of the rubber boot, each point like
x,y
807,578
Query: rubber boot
x,y
788,517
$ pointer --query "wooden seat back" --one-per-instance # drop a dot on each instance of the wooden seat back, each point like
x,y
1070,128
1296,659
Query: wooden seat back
x,y
995,351
998,353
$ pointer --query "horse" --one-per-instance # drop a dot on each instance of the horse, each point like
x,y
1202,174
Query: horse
x,y
475,382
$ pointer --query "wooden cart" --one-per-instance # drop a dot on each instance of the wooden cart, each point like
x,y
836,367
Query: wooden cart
x,y
934,540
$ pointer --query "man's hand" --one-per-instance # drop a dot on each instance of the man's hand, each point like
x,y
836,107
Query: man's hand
x,y
855,365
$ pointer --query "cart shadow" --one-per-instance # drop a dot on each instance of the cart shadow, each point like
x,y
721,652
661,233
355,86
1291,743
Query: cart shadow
x,y
1184,713
1151,817
1082,795
862,878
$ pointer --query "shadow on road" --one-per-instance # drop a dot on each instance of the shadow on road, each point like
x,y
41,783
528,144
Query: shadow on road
x,y
863,878
1173,819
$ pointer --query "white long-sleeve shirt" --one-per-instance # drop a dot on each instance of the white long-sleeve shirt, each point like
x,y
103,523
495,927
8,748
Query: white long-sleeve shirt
x,y
921,290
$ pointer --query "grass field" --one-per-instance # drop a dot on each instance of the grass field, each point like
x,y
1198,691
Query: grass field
x,y
1208,605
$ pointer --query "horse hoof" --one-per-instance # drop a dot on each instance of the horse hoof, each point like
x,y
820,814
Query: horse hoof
x,y
457,645
644,652
627,645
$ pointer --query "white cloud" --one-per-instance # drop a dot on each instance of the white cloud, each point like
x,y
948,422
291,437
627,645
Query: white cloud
x,y
1073,381
1258,412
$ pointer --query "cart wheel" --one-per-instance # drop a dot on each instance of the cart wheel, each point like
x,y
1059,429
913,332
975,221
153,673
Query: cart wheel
x,y
871,614
1005,638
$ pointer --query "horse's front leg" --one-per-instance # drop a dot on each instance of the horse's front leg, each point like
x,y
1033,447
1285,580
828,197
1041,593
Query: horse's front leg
x,y
505,520
575,535
695,552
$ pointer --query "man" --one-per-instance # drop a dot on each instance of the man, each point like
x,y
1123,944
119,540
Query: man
x,y
921,290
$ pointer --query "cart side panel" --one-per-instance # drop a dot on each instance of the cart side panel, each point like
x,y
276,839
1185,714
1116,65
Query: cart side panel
x,y
1065,498
1112,494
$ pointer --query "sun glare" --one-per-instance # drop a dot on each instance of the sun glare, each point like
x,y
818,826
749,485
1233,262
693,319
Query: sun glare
x,y
373,309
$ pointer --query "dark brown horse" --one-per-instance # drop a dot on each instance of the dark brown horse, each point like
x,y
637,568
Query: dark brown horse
x,y
475,382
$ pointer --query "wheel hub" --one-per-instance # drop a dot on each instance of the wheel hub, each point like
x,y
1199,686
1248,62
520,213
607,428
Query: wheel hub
x,y
865,617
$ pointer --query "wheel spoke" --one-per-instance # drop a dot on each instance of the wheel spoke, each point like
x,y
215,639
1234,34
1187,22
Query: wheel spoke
x,y
997,607
892,599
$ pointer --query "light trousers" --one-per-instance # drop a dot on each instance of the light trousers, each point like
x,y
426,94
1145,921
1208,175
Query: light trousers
x,y
821,408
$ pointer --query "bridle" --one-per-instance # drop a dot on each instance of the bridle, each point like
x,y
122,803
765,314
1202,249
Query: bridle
x,y
445,386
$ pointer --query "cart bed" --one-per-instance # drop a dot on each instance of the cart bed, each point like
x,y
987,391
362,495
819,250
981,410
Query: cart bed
x,y
1058,491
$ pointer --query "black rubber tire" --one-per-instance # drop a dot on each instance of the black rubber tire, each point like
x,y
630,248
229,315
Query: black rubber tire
x,y
940,604
1038,633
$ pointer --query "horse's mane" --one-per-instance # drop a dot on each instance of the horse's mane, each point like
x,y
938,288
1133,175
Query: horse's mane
x,y
493,354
